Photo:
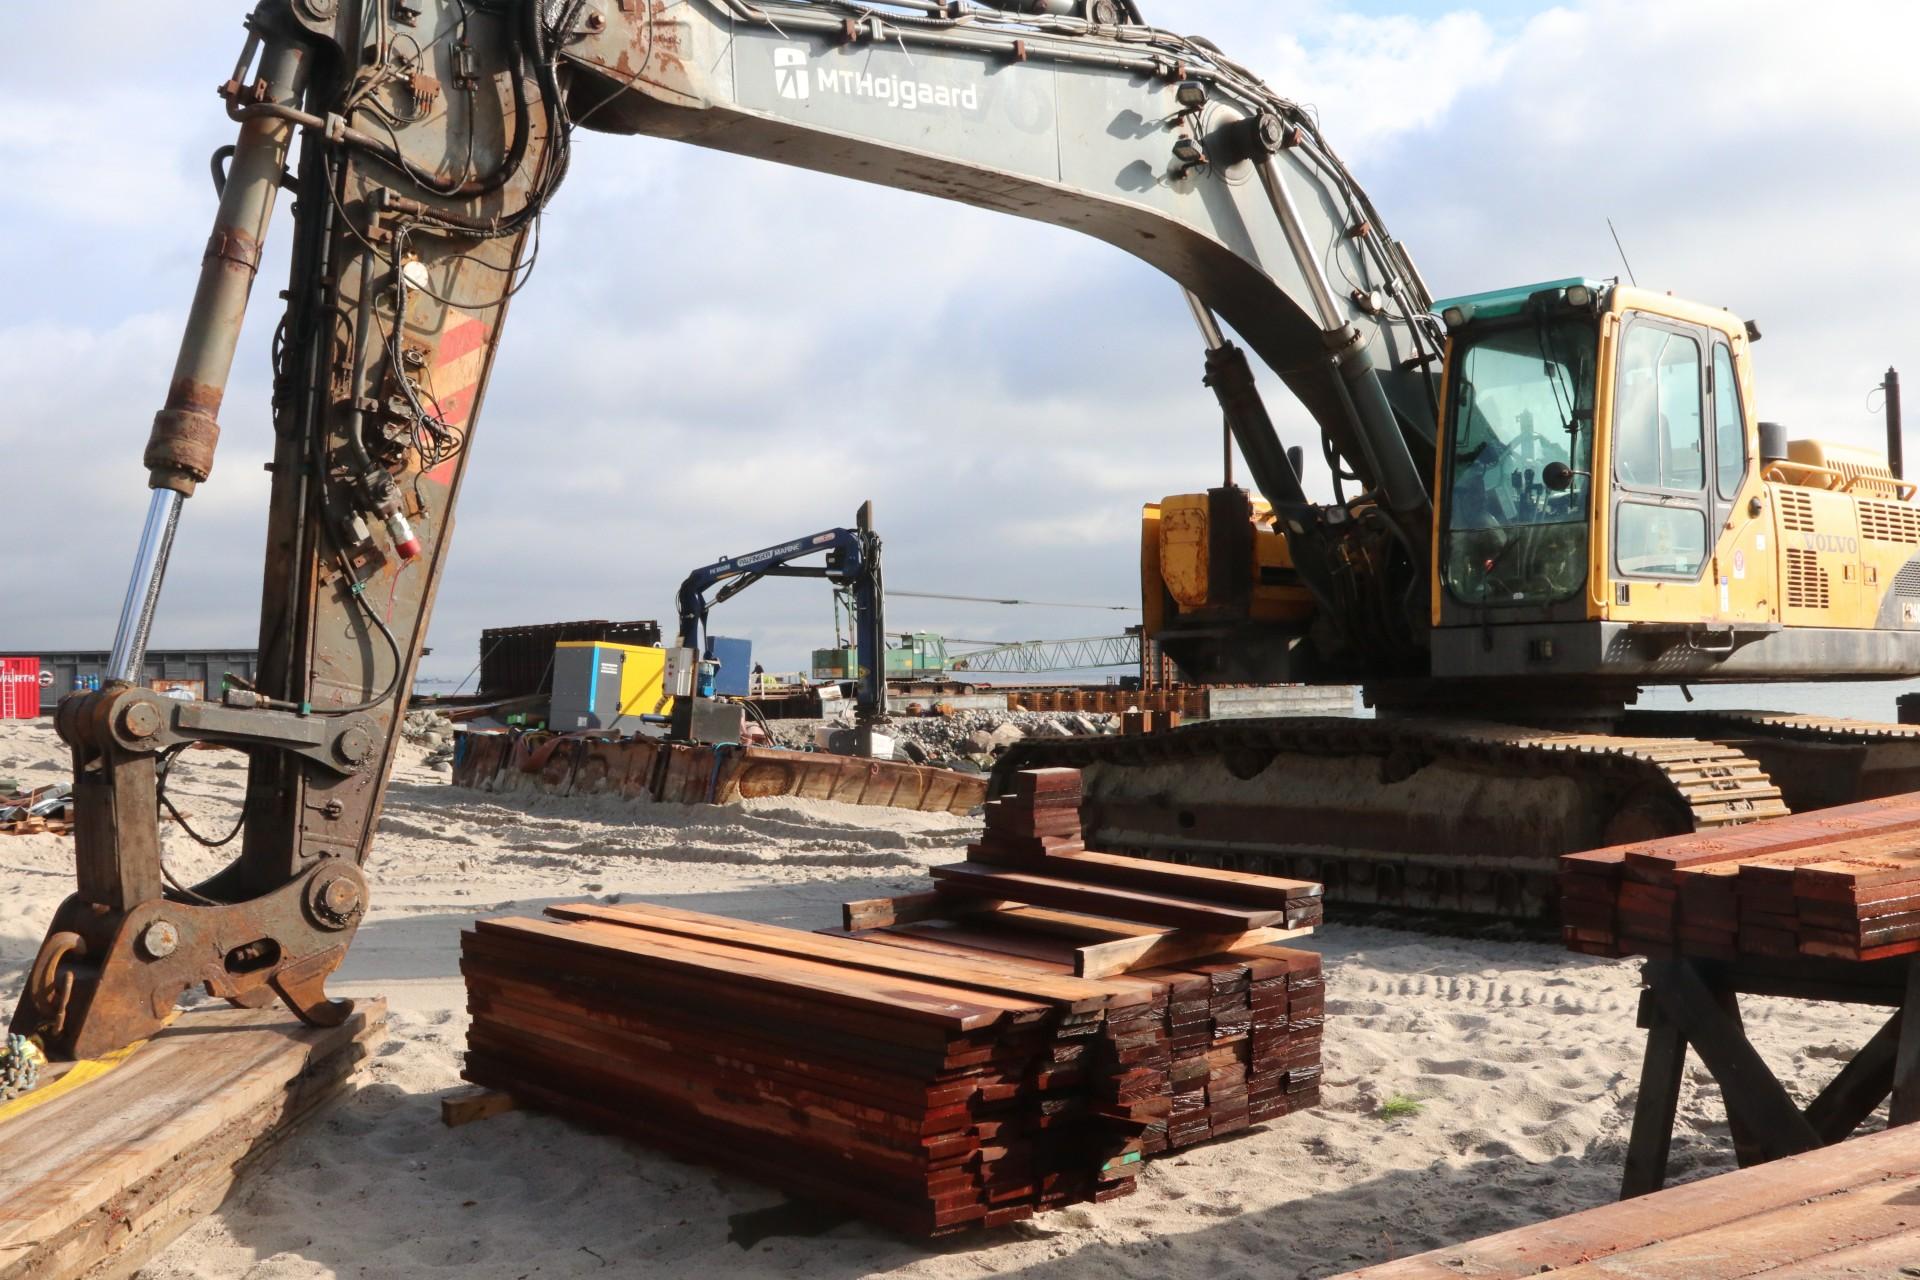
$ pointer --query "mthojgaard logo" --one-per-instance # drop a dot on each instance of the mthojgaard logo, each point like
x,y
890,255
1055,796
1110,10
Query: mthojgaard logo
x,y
790,72
791,63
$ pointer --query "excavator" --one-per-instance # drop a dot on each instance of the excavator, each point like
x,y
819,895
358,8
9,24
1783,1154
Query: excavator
x,y
1524,541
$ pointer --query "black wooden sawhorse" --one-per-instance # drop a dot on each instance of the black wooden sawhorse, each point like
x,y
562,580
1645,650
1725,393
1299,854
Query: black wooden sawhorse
x,y
1694,1002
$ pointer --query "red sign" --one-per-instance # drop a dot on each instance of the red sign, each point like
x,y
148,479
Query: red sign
x,y
19,688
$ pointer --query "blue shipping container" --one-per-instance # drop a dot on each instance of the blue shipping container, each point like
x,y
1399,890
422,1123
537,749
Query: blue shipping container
x,y
735,677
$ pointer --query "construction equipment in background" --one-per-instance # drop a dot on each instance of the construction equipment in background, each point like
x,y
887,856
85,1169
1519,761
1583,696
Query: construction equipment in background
x,y
916,655
412,229
1040,656
518,662
925,655
608,688
853,566
199,672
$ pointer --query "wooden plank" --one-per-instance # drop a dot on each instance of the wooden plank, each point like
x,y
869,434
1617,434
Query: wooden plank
x,y
99,1180
1077,929
1762,1244
1123,955
836,1065
1180,912
938,1009
1237,887
878,913
469,1106
1868,818
610,982
1013,1009
1079,996
1805,1182
1895,1257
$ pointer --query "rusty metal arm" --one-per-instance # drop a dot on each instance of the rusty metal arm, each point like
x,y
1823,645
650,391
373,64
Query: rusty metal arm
x,y
399,283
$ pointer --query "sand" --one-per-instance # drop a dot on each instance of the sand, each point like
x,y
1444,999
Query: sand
x,y
1523,1060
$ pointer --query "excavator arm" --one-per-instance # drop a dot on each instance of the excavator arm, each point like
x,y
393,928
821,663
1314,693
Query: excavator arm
x,y
853,565
427,138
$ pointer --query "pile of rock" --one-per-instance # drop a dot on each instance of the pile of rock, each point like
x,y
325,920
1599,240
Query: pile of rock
x,y
969,741
434,731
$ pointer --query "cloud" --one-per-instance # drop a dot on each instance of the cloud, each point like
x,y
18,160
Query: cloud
x,y
1372,79
718,353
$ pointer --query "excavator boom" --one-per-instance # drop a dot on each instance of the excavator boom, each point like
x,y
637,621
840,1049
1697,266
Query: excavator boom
x,y
427,140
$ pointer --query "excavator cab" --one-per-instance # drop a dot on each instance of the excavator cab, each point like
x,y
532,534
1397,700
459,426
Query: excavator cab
x,y
1516,483
1609,511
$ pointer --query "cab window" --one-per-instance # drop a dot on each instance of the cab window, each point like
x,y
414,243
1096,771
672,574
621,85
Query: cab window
x,y
1660,542
1729,424
1659,441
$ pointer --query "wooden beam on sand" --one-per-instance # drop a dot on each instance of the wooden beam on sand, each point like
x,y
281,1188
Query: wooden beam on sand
x,y
470,1106
99,1179
1844,1210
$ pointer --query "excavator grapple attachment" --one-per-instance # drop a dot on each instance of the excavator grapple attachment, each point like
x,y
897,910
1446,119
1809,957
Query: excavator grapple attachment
x,y
104,979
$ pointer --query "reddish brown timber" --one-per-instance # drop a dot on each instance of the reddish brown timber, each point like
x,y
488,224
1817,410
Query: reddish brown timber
x,y
606,989
1013,1010
747,1036
904,1001
1073,995
1887,816
1238,887
1710,1212
97,1180
978,880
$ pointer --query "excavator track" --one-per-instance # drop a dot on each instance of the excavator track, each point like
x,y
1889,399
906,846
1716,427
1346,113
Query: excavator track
x,y
1425,815
1819,761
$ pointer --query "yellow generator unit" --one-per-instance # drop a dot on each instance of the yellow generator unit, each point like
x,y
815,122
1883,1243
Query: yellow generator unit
x,y
607,687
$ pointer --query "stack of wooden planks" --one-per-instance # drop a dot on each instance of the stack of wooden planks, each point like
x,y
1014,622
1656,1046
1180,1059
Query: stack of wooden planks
x,y
1834,883
35,811
1040,818
1842,1211
1014,1040
1218,1044
36,827
928,1094
1031,852
99,1172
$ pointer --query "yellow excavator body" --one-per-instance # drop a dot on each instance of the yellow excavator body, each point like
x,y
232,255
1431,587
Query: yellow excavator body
x,y
1701,547
1609,513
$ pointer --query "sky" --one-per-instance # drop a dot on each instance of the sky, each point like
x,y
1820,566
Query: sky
x,y
717,354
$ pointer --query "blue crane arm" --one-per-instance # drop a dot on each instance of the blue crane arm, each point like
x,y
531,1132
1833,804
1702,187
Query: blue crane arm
x,y
853,560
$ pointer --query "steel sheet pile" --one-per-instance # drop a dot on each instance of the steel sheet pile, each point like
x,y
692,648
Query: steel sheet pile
x,y
1832,883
